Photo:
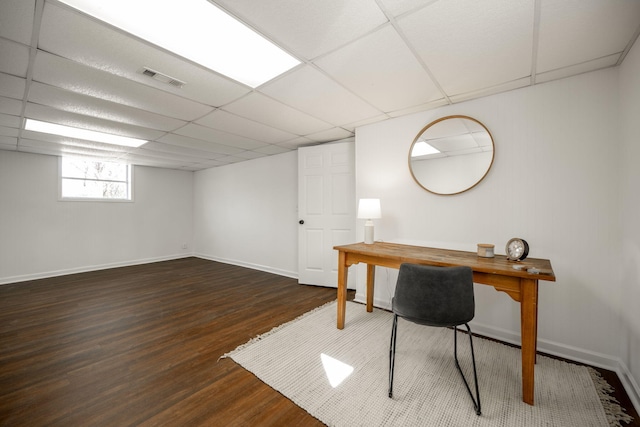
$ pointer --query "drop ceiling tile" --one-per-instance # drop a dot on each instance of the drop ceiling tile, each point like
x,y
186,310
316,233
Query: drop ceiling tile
x,y
66,74
138,161
10,121
77,103
429,106
351,127
270,150
16,20
53,148
457,144
48,114
310,90
181,150
8,143
381,69
11,86
511,85
398,7
250,155
335,134
198,144
228,160
72,35
572,32
15,58
469,45
206,164
9,131
219,137
10,106
261,108
483,140
585,67
145,160
298,142
237,125
310,28
49,150
164,156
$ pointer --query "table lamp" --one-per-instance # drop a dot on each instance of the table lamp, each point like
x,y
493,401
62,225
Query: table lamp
x,y
369,209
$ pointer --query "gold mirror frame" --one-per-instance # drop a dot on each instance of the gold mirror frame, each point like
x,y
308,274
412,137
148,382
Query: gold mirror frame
x,y
466,155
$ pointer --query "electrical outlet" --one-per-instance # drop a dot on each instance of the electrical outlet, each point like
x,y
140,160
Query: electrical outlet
x,y
184,246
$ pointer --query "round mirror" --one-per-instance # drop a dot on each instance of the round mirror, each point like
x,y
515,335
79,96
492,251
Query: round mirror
x,y
451,155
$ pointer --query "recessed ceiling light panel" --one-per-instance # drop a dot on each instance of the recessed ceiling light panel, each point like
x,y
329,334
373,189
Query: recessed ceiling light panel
x,y
423,149
199,31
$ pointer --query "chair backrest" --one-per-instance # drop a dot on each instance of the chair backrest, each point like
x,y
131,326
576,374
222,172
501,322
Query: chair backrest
x,y
435,296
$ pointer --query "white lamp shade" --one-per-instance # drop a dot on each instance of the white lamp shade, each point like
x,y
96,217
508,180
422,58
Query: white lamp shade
x,y
369,209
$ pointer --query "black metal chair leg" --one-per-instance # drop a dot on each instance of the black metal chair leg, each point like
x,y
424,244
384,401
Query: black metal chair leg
x,y
475,372
476,400
437,297
392,353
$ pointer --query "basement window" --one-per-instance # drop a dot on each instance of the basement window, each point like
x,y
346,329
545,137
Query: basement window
x,y
90,179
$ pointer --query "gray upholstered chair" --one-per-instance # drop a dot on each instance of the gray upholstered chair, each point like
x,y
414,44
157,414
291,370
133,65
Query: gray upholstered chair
x,y
435,296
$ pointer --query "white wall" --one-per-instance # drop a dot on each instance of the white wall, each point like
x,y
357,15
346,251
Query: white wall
x,y
554,182
41,236
630,215
246,214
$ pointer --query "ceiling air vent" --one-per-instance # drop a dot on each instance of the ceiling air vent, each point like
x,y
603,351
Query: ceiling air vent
x,y
156,75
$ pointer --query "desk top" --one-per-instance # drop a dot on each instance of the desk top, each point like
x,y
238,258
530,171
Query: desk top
x,y
450,258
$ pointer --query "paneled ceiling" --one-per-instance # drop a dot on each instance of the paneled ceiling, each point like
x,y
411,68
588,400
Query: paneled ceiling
x,y
362,61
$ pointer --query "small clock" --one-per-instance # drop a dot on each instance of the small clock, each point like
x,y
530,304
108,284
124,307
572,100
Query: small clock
x,y
517,249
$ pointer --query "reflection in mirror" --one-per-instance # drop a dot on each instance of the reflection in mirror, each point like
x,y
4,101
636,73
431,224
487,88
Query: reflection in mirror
x,y
451,155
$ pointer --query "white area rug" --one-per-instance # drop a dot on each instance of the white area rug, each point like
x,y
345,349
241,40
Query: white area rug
x,y
428,391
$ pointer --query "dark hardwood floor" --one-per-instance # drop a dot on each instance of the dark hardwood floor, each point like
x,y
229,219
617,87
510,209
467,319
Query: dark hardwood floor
x,y
141,346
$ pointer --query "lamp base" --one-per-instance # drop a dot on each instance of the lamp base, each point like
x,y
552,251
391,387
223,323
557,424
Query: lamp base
x,y
368,232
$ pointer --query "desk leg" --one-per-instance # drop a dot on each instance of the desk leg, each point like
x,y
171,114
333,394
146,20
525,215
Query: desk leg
x,y
536,357
343,271
529,333
371,277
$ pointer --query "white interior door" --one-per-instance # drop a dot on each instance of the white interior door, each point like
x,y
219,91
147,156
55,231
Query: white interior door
x,y
326,210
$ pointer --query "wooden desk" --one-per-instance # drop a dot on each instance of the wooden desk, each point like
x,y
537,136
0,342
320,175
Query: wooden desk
x,y
497,272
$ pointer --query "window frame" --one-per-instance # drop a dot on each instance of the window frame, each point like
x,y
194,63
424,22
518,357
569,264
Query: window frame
x,y
129,182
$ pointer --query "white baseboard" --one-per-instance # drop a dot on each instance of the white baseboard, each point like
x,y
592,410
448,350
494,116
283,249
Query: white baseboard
x,y
75,270
383,304
85,269
631,386
266,269
575,354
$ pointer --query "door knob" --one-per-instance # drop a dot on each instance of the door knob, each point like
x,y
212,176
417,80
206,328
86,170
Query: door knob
x,y
301,222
